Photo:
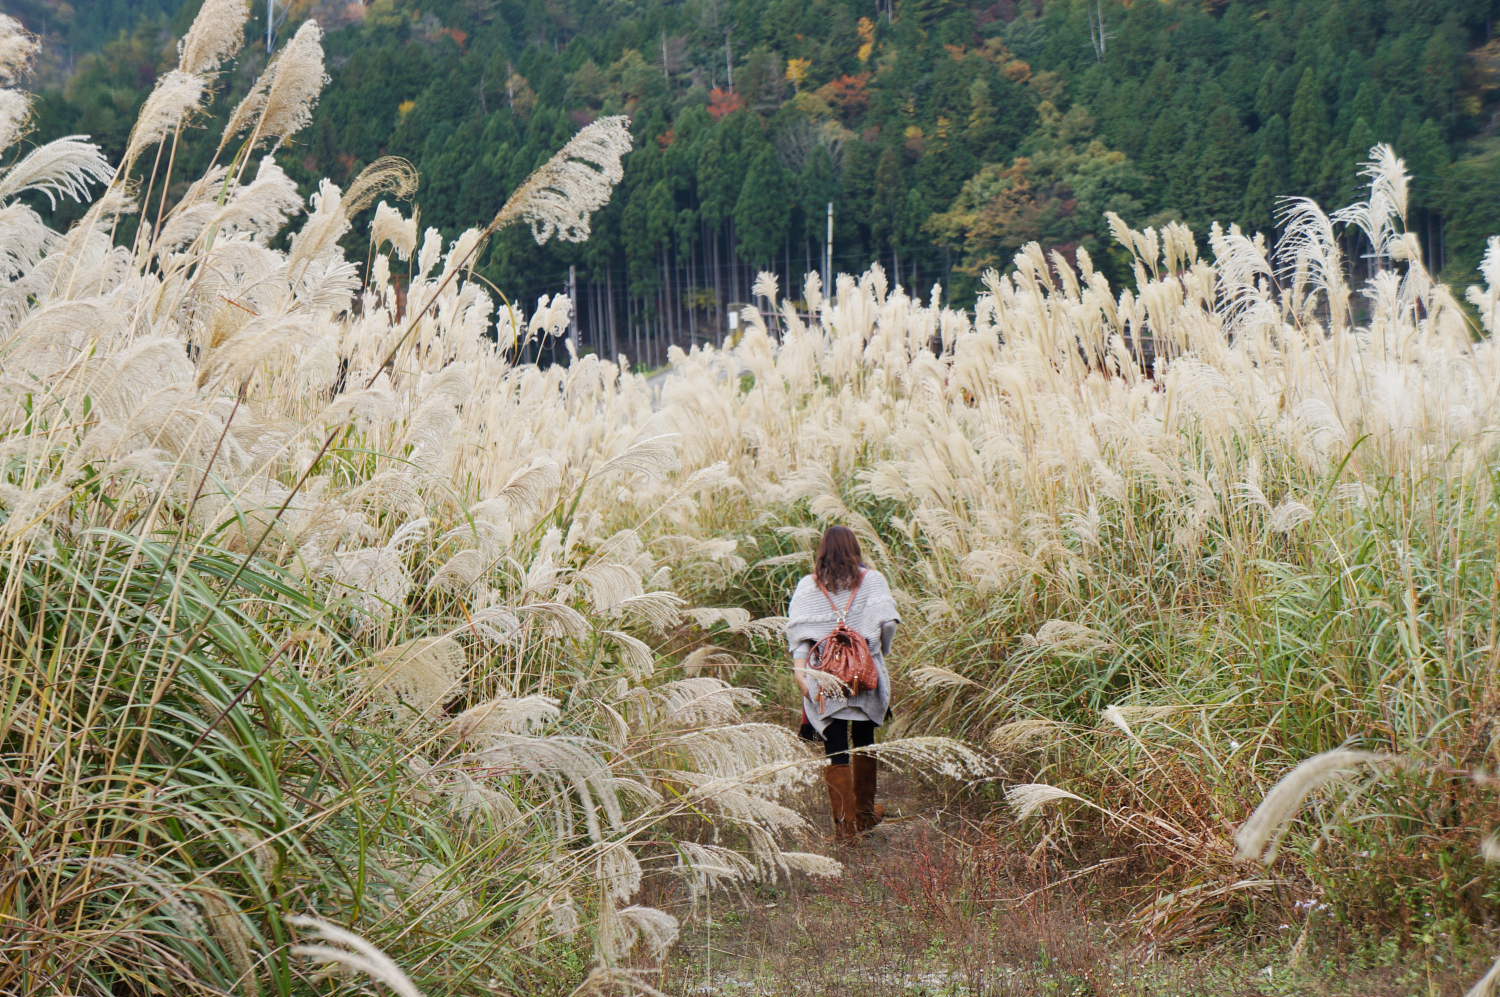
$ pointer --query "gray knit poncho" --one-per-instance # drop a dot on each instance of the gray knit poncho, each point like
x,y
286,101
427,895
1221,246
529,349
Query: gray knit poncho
x,y
810,618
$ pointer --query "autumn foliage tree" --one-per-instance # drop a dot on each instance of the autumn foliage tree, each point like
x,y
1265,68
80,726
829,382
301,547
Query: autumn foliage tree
x,y
722,103
1052,194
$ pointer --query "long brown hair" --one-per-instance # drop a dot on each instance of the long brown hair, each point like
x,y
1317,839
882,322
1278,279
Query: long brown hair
x,y
838,561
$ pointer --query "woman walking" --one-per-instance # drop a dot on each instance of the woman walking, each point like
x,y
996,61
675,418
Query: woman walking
x,y
842,588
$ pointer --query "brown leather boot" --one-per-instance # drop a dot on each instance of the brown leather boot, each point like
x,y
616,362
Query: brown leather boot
x,y
840,780
867,813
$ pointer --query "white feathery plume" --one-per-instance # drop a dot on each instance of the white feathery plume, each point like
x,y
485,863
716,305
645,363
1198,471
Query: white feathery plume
x,y
564,191
811,864
257,210
298,83
176,95
390,226
707,866
1289,515
765,286
558,619
812,292
637,657
659,610
734,618
17,46
738,799
63,168
701,701
1065,635
737,750
460,572
942,756
1260,836
529,487
1116,716
932,677
1308,257
1027,798
325,225
282,100
622,930
497,623
550,316
345,948
1376,216
561,761
505,715
217,33
618,871
24,240
1486,299
15,111
421,674
1016,735
386,175
654,456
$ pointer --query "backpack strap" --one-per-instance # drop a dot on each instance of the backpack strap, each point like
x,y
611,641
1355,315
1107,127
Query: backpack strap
x,y
842,613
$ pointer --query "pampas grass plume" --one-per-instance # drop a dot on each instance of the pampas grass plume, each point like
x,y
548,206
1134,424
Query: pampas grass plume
x,y
175,96
217,33
386,175
1259,837
1027,798
345,948
63,168
17,46
15,111
281,102
560,196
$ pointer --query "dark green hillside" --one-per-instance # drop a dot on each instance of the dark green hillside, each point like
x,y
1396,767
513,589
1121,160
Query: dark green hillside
x,y
945,134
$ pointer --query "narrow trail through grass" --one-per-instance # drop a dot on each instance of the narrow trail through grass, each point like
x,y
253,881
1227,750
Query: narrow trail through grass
x,y
934,905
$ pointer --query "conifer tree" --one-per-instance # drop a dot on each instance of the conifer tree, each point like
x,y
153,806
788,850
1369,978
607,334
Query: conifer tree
x,y
1309,134
1221,178
761,213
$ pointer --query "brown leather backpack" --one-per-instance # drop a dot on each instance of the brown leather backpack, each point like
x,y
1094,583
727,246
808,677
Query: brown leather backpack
x,y
844,654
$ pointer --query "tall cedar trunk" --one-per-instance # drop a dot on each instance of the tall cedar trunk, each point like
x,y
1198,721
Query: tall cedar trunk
x,y
609,297
670,315
586,324
710,274
734,262
685,289
719,291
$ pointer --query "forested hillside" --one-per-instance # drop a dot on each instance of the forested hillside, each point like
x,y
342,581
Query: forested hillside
x,y
946,135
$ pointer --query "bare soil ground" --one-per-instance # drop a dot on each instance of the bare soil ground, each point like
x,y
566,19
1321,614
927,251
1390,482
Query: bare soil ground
x,y
932,906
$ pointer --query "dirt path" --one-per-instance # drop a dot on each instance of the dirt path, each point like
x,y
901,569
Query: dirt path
x,y
932,906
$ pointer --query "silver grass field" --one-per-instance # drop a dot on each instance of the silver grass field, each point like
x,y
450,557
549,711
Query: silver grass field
x,y
338,651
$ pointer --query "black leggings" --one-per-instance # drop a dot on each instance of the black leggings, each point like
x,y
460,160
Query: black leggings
x,y
838,734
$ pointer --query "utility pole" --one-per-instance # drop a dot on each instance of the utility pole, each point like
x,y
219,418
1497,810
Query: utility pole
x,y
573,307
828,255
270,19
